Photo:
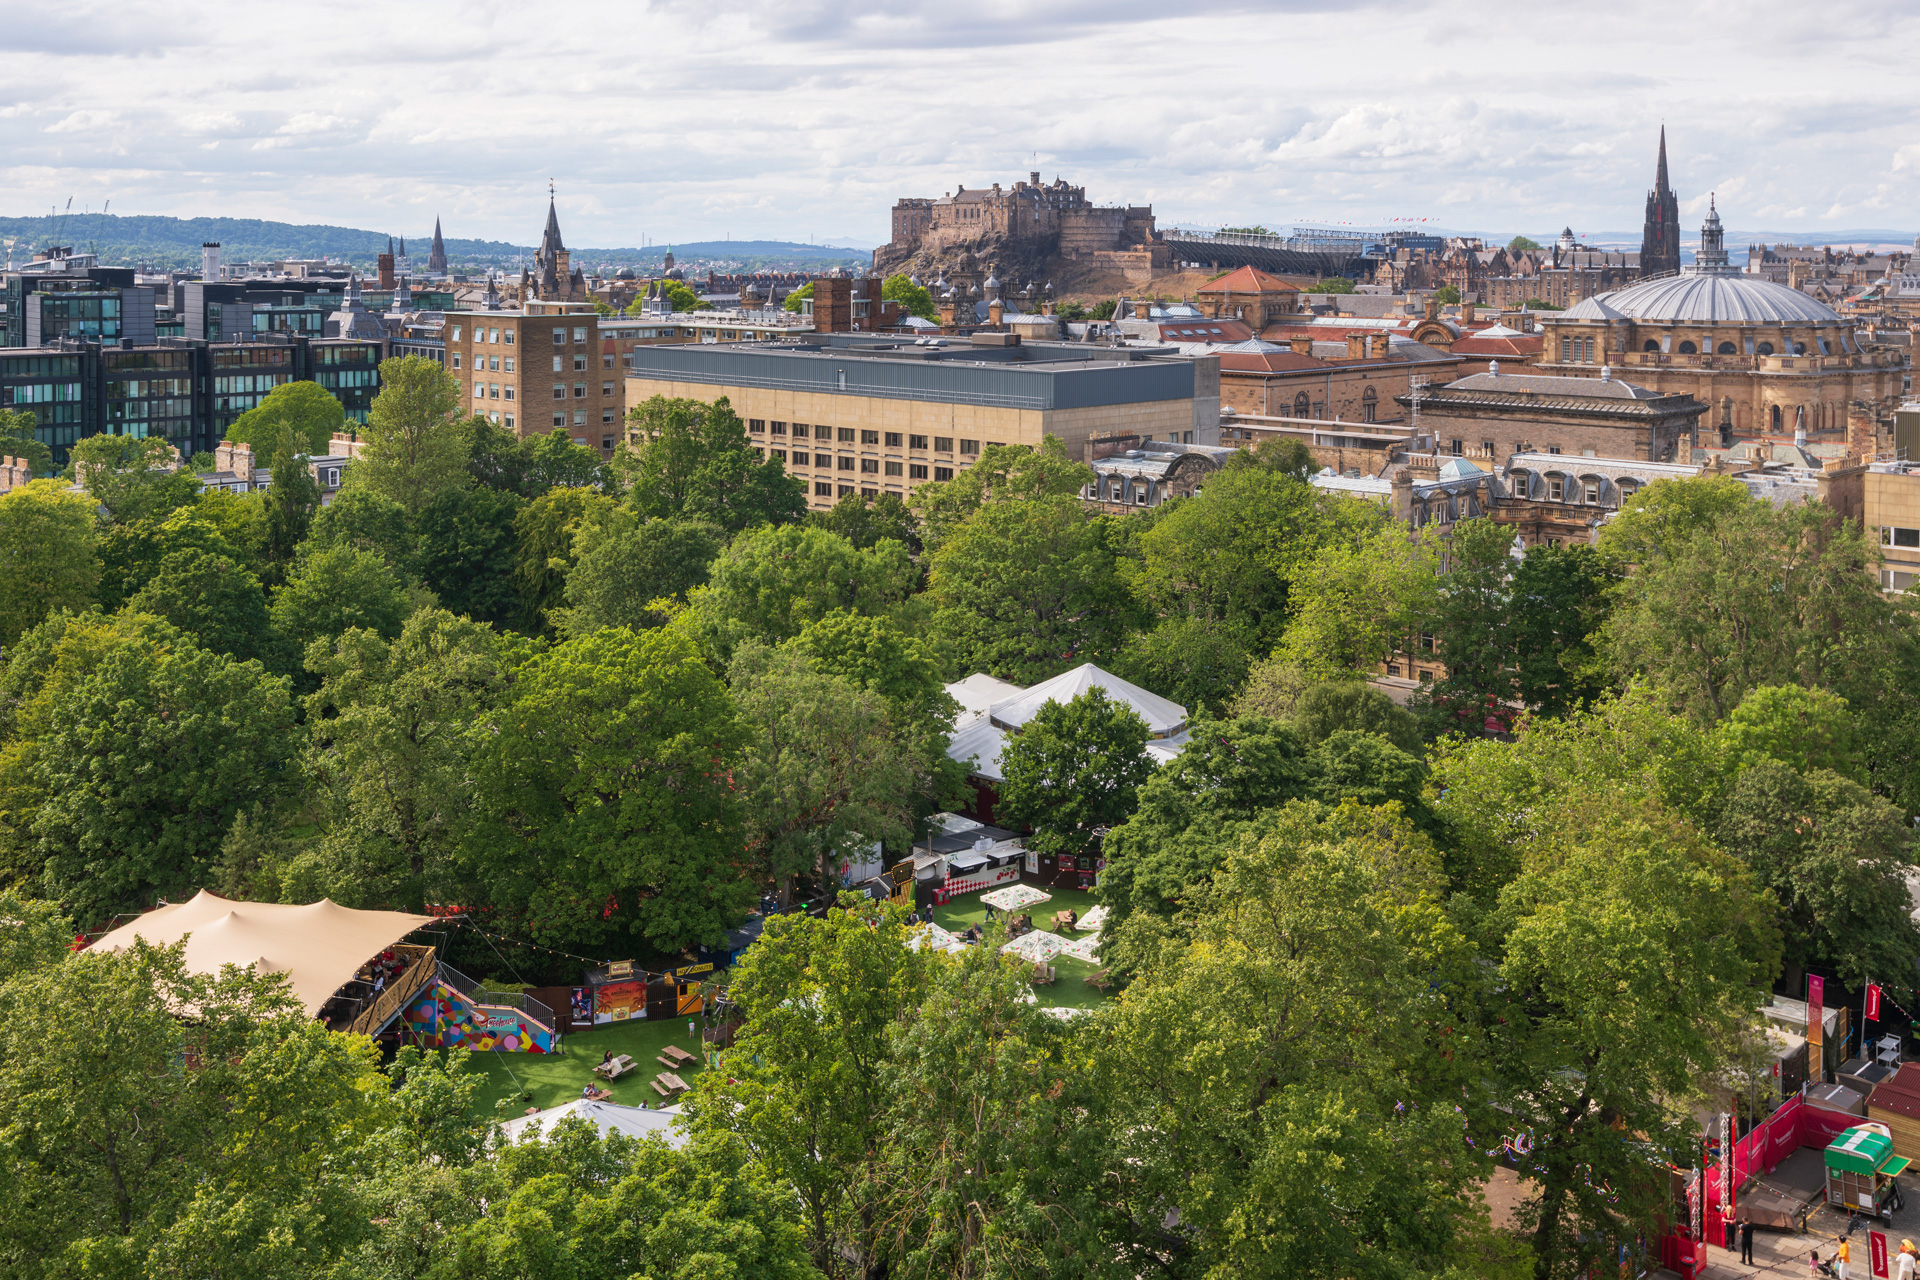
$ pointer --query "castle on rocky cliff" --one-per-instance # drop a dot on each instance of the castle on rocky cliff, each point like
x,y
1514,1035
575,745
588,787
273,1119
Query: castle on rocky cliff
x,y
1023,229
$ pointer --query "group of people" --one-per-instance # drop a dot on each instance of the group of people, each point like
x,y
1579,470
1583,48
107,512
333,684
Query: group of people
x,y
384,968
1840,1266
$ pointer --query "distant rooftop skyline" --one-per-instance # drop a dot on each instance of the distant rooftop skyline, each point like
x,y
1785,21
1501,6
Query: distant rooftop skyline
x,y
803,118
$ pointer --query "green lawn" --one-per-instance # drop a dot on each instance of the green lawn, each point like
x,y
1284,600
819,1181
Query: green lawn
x,y
1070,989
553,1079
556,1078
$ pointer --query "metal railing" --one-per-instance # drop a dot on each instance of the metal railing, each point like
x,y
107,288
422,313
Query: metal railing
x,y
391,999
480,993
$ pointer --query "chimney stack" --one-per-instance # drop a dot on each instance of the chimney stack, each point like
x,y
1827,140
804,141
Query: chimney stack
x,y
1356,346
1302,345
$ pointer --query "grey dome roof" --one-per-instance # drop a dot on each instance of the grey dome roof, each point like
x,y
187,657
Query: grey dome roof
x,y
1708,298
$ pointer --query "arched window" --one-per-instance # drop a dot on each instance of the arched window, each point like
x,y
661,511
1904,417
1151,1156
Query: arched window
x,y
1776,419
1688,349
1369,404
1301,405
1799,348
1650,345
1765,348
1726,349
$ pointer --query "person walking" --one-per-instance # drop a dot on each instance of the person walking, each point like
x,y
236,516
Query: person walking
x,y
1842,1256
1746,1238
1903,1265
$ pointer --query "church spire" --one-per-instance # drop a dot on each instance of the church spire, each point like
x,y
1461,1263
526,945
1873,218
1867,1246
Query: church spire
x,y
1660,175
1660,237
550,242
437,255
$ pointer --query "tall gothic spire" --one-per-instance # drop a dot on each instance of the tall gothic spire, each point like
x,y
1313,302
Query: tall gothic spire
x,y
437,255
1660,237
550,242
1660,175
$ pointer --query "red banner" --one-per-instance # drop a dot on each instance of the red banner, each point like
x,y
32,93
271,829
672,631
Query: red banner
x,y
1873,1003
1877,1252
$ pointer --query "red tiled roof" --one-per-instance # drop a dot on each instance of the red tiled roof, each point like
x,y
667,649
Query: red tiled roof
x,y
1248,280
1526,344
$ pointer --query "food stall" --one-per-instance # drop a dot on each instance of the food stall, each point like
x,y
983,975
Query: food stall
x,y
1861,1168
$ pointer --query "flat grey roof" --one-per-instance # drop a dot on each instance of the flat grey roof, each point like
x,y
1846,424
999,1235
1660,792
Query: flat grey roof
x,y
955,375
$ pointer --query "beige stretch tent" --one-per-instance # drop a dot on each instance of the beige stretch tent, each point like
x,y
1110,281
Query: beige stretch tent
x,y
319,946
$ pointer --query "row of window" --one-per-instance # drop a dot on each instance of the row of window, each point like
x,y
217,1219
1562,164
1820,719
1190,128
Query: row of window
x,y
492,391
1891,536
821,489
247,383
333,379
868,466
40,366
849,435
40,393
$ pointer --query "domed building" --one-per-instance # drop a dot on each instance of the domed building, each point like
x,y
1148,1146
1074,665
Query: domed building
x,y
1774,363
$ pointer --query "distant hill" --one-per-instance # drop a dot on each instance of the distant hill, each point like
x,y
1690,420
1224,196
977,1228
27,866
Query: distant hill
x,y
175,243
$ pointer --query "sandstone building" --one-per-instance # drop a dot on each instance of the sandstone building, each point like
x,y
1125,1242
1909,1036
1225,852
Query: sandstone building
x,y
1772,362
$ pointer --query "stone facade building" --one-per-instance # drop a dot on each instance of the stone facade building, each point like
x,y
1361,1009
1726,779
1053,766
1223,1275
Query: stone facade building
x,y
1494,415
538,369
1774,363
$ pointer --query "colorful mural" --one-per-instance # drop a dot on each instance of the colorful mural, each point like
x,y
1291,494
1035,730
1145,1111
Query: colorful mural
x,y
444,1018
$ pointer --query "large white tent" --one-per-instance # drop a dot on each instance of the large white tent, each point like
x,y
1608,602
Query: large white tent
x,y
608,1117
318,946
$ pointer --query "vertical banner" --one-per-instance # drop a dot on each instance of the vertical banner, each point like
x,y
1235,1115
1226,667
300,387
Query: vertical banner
x,y
1726,1166
1877,1252
1697,1203
1816,1030
1873,1002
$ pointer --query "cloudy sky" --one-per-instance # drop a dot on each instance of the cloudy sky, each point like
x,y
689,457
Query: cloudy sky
x,y
697,119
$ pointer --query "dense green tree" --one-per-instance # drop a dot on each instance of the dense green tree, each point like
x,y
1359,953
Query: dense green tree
x,y
612,810
1557,602
502,458
1074,770
804,1088
1196,662
336,590
826,772
1836,858
33,935
545,531
1447,295
394,751
1350,765
49,557
364,521
690,460
864,521
290,502
469,550
793,300
1762,596
1357,602
625,564
306,409
1630,954
112,829
1471,610
213,600
1331,284
876,654
1190,810
1029,1193
19,438
773,581
133,477
1003,473
913,298
1103,309
1804,729
1324,709
1523,244
1665,516
417,445
1291,1068
131,553
144,1143
1024,590
1274,688
1280,454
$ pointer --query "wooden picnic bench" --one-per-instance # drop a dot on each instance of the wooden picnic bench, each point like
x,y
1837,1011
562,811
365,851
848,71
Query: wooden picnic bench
x,y
615,1069
680,1057
1100,981
1043,975
674,1084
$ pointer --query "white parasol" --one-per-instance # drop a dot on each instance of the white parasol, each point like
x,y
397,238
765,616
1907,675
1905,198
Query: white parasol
x,y
1091,922
1014,897
1038,946
1082,948
932,935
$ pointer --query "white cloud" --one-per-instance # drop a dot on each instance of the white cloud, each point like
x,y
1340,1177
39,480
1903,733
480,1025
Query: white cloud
x,y
683,119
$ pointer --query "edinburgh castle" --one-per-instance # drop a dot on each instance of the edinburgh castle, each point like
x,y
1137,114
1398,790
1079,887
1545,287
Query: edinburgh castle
x,y
1025,229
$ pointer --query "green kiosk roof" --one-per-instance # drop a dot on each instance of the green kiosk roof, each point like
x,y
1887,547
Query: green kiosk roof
x,y
1862,1150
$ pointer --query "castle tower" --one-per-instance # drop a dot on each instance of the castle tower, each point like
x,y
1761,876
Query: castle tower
x,y
553,268
437,256
1660,238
